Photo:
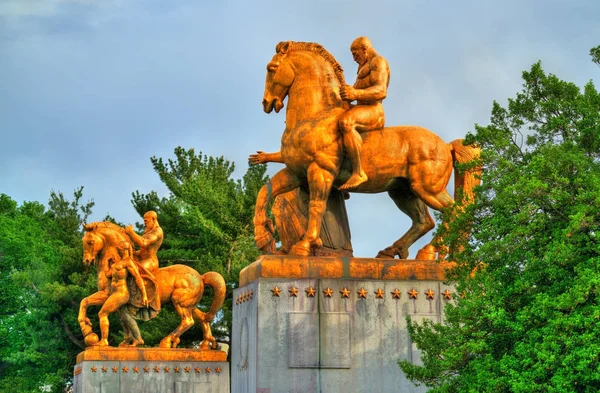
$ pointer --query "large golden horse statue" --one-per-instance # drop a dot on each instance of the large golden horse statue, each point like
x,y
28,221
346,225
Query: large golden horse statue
x,y
410,163
179,285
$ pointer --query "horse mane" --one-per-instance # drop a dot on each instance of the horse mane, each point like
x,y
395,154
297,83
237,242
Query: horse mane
x,y
324,53
104,224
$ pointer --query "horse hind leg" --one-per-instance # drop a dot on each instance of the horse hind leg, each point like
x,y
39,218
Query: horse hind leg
x,y
187,321
422,222
438,201
209,342
184,300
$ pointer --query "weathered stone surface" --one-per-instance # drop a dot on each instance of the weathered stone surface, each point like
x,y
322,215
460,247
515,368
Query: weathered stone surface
x,y
347,338
96,373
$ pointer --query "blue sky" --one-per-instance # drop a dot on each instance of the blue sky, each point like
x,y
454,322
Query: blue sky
x,y
90,90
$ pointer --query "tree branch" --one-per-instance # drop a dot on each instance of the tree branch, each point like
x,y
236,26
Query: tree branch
x,y
70,334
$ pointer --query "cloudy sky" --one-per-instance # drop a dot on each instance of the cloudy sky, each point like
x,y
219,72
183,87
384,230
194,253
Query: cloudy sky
x,y
90,90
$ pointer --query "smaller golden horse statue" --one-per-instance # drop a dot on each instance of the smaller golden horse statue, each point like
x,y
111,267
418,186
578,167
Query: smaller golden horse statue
x,y
179,285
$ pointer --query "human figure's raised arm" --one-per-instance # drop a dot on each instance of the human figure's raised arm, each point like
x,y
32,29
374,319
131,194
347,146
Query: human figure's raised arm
x,y
261,157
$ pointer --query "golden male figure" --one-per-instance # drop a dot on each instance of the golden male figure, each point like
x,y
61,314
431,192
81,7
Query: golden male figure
x,y
117,270
149,242
369,90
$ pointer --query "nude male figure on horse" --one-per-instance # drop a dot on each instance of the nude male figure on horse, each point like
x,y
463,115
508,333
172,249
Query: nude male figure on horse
x,y
149,242
369,90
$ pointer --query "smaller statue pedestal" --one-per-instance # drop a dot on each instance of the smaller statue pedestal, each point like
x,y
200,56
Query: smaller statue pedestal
x,y
141,370
330,324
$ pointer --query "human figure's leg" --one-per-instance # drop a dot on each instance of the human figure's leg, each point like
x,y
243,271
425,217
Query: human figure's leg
x,y
359,118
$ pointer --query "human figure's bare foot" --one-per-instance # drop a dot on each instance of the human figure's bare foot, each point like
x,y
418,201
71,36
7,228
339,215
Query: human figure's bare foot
x,y
355,180
102,343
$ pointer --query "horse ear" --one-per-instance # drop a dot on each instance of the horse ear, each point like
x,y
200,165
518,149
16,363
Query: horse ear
x,y
282,47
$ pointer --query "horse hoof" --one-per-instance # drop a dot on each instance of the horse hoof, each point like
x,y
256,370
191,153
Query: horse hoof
x,y
204,345
165,343
301,248
386,254
427,253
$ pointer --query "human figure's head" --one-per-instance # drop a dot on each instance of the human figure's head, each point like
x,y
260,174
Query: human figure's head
x,y
362,50
150,220
125,250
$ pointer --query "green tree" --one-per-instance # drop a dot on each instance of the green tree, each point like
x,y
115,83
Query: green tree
x,y
595,53
528,318
41,283
207,221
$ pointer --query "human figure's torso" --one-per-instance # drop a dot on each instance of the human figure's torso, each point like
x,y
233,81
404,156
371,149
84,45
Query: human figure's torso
x,y
147,255
365,77
119,277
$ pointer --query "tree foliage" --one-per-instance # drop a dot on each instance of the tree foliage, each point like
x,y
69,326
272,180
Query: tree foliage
x,y
41,282
528,315
207,221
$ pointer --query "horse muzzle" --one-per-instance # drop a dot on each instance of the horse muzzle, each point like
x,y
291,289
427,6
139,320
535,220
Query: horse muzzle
x,y
88,260
275,103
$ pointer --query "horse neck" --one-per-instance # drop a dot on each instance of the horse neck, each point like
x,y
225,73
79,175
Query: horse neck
x,y
111,239
315,89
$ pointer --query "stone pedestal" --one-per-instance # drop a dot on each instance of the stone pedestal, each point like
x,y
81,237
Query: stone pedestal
x,y
151,370
309,324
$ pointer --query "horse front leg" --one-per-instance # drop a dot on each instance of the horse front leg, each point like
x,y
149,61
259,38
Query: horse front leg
x,y
320,182
282,182
97,299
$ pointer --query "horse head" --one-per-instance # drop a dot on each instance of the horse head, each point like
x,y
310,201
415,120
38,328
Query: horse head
x,y
92,244
310,70
280,76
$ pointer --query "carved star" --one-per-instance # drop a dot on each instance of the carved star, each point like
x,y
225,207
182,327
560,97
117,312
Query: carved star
x,y
396,294
198,369
146,369
115,369
447,295
310,291
251,293
379,293
156,369
237,300
276,291
207,370
167,369
429,294
218,370
187,369
293,291
104,369
176,369
328,292
94,369
136,369
125,369
413,294
362,293
345,292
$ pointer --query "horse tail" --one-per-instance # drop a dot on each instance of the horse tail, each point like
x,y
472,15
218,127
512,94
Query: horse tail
x,y
217,283
465,179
